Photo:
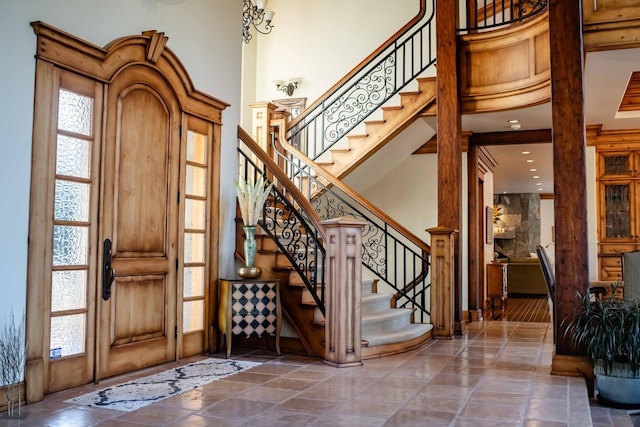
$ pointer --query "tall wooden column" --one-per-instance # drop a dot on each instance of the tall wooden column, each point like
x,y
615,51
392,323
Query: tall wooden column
x,y
449,137
343,303
569,170
475,236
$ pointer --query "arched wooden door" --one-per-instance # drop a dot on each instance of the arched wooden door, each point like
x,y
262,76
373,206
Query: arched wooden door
x,y
123,233
139,223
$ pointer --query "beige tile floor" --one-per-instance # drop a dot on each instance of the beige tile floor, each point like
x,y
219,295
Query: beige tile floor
x,y
497,374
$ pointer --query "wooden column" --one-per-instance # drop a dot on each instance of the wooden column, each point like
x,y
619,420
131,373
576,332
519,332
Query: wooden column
x,y
569,174
449,138
442,271
476,234
343,302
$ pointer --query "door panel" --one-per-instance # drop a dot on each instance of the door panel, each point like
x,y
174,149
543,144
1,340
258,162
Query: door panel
x,y
140,215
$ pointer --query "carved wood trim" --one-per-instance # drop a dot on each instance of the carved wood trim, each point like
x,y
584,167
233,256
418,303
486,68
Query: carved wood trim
x,y
505,68
71,53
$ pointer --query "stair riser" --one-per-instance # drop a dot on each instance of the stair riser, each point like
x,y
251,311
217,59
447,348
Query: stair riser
x,y
375,305
396,322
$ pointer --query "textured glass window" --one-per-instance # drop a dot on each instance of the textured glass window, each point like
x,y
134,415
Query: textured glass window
x,y
194,214
192,316
68,290
196,147
71,201
193,247
67,334
72,157
70,245
196,184
617,211
75,112
616,165
193,282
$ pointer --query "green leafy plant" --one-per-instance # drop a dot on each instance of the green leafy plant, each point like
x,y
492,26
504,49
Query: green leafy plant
x,y
607,331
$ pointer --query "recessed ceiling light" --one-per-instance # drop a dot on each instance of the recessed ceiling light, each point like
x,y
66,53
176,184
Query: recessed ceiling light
x,y
538,183
533,169
535,176
529,161
512,121
526,152
540,189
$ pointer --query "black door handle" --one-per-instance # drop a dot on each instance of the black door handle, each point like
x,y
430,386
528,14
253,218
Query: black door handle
x,y
108,273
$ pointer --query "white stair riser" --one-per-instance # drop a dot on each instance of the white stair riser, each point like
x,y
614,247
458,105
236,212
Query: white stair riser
x,y
386,324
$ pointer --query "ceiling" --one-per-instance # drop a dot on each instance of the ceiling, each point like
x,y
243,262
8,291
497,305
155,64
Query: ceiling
x,y
607,74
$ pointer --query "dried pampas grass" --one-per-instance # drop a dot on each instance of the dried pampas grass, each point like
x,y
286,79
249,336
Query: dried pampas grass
x,y
251,198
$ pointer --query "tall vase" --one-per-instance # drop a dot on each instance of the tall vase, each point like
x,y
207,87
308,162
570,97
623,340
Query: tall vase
x,y
249,270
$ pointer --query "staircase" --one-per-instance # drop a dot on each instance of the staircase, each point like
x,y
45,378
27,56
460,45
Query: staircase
x,y
395,119
385,330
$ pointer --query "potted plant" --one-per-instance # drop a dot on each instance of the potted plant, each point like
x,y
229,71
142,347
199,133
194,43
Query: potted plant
x,y
251,198
607,331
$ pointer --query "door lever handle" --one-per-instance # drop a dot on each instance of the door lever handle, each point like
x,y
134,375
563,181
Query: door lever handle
x,y
108,273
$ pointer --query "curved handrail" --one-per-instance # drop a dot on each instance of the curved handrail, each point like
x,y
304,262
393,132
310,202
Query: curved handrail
x,y
390,68
390,41
283,180
335,182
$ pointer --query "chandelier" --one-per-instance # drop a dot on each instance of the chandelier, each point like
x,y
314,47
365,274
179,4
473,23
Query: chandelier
x,y
255,15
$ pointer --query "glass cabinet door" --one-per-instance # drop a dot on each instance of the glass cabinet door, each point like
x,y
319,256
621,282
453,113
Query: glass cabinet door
x,y
618,210
618,165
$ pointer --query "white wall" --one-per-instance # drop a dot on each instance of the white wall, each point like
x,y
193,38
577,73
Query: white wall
x,y
301,44
204,34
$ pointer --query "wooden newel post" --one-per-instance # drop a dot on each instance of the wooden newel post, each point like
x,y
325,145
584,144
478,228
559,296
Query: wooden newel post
x,y
261,114
442,281
343,298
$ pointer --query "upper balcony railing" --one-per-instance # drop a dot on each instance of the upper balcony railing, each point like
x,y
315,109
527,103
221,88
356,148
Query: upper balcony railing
x,y
488,14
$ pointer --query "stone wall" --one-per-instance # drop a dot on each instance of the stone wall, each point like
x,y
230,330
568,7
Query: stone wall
x,y
517,225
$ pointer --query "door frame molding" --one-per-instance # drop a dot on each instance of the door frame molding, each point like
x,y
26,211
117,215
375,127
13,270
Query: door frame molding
x,y
57,50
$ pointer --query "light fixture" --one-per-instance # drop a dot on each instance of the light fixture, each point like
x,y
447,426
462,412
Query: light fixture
x,y
526,152
288,87
514,124
536,176
255,15
529,161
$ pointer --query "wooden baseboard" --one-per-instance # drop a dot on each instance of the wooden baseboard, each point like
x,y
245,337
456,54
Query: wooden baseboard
x,y
573,366
4,401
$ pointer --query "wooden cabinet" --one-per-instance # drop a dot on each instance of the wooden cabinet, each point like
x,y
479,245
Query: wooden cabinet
x,y
618,173
249,308
496,284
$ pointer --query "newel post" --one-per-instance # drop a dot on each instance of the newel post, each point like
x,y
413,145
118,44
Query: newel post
x,y
261,115
343,293
442,281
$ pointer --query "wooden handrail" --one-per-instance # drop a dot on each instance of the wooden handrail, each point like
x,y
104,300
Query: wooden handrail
x,y
283,180
390,41
354,195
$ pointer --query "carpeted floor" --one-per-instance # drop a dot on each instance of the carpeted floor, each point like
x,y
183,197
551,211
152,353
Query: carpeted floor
x,y
523,309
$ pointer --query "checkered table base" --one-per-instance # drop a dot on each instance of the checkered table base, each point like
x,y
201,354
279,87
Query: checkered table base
x,y
254,308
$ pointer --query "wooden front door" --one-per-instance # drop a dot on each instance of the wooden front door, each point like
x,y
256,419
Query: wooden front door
x,y
122,228
137,324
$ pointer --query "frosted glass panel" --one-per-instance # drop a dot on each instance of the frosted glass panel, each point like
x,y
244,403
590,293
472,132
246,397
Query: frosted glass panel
x,y
70,245
193,282
75,112
196,147
196,185
194,214
193,316
71,201
68,290
193,247
67,334
72,157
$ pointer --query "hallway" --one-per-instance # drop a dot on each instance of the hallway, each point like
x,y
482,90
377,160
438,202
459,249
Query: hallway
x,y
495,375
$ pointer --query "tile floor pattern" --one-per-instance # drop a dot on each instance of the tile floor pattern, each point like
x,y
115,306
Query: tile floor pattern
x,y
497,374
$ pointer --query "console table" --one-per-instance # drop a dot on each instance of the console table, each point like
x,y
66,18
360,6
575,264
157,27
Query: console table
x,y
249,307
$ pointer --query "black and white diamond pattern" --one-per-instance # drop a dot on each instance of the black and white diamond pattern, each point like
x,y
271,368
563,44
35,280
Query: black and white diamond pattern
x,y
254,308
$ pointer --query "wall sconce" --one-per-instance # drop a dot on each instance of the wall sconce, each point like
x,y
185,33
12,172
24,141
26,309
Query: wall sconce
x,y
289,86
255,15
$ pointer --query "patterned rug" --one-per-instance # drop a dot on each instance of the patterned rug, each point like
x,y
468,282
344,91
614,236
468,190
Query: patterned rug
x,y
139,393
